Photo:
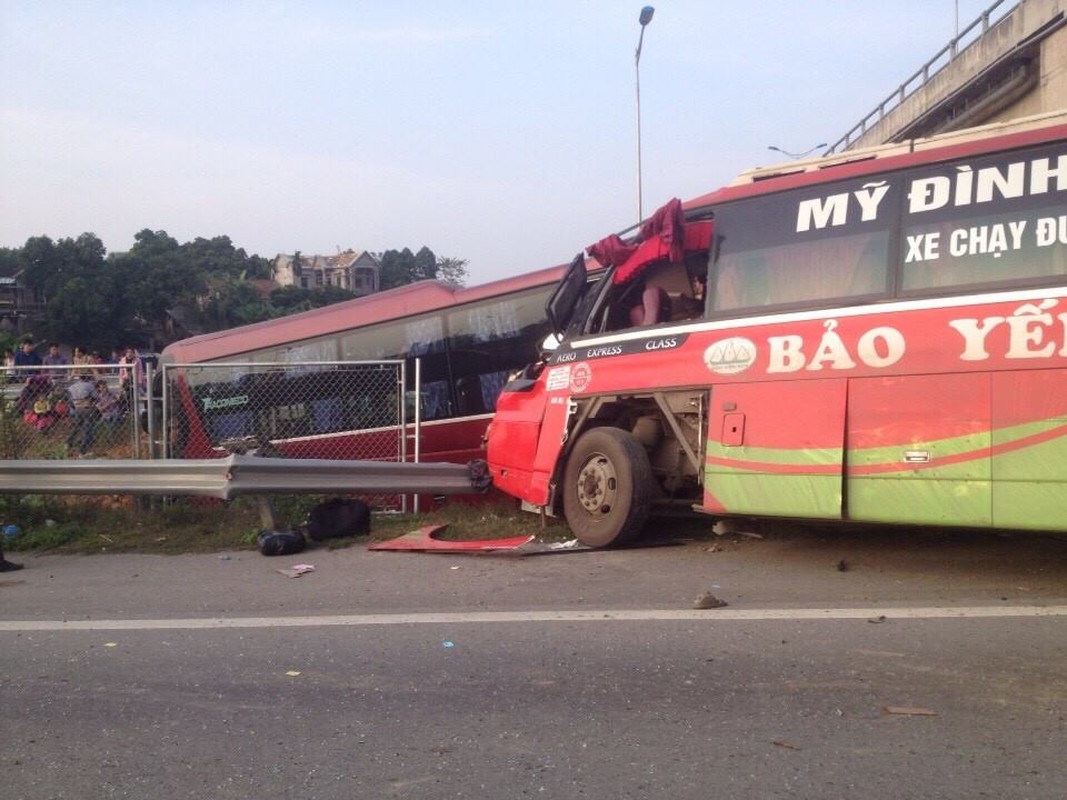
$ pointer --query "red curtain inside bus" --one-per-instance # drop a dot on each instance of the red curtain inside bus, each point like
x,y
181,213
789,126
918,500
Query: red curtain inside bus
x,y
665,235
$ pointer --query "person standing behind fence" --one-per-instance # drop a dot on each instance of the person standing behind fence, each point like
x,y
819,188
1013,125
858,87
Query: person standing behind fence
x,y
9,362
27,355
127,369
107,404
83,417
127,375
80,358
54,358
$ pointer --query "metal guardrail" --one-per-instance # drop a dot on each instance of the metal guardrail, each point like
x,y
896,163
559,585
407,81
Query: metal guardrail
x,y
224,478
945,56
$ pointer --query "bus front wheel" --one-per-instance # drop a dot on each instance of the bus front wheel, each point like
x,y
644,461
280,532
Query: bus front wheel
x,y
608,488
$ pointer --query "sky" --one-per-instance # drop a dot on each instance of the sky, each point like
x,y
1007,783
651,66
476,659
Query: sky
x,y
497,131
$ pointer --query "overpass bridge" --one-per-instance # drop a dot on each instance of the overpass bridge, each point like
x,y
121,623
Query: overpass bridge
x,y
1010,62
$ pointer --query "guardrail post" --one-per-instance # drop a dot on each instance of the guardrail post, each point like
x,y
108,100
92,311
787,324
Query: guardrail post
x,y
268,516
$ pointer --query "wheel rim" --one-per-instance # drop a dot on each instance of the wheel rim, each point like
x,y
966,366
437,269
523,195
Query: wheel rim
x,y
597,485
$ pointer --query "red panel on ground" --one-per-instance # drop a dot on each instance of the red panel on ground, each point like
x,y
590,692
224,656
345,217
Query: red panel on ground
x,y
424,539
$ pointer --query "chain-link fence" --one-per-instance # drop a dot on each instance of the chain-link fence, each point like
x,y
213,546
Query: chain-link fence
x,y
362,411
352,410
64,411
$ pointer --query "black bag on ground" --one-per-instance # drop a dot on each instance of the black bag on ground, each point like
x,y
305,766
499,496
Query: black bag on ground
x,y
338,517
280,543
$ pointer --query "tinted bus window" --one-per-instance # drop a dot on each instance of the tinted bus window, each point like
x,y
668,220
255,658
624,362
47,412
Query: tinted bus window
x,y
373,343
314,350
986,222
419,337
803,247
487,339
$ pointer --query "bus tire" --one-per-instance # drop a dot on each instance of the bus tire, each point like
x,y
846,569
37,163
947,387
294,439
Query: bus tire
x,y
607,488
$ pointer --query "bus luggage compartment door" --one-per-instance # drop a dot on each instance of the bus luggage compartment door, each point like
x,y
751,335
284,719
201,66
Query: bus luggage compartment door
x,y
919,450
1030,449
776,449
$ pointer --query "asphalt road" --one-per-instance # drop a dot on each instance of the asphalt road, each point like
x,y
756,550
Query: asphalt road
x,y
846,664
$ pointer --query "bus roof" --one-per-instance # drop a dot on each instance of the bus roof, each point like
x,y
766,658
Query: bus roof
x,y
959,144
403,301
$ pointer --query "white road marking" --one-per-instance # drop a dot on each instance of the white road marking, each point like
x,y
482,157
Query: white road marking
x,y
477,617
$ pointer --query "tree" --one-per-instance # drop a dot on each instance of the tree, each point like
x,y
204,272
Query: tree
x,y
401,267
247,305
397,268
452,270
328,295
10,261
218,257
290,299
425,264
41,264
157,275
83,311
77,286
98,300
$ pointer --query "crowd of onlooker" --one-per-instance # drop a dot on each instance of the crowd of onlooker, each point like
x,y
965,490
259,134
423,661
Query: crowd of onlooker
x,y
77,391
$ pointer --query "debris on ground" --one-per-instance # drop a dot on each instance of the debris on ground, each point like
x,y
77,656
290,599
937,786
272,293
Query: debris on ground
x,y
708,600
296,570
427,539
534,548
909,711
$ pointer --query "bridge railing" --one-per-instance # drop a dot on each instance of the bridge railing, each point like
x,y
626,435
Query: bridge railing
x,y
945,56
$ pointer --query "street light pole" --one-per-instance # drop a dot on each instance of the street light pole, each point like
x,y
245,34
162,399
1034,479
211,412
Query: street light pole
x,y
644,19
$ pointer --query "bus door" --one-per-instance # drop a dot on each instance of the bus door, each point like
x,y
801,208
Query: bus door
x,y
513,441
776,449
919,449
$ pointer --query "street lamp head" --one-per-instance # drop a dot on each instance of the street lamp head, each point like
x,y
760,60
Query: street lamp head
x,y
646,15
796,155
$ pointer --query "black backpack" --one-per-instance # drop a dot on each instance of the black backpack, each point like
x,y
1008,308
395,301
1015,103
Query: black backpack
x,y
280,543
338,517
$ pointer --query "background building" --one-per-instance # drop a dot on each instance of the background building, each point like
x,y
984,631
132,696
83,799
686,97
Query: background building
x,y
352,270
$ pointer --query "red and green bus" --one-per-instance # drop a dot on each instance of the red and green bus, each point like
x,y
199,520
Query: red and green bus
x,y
881,336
